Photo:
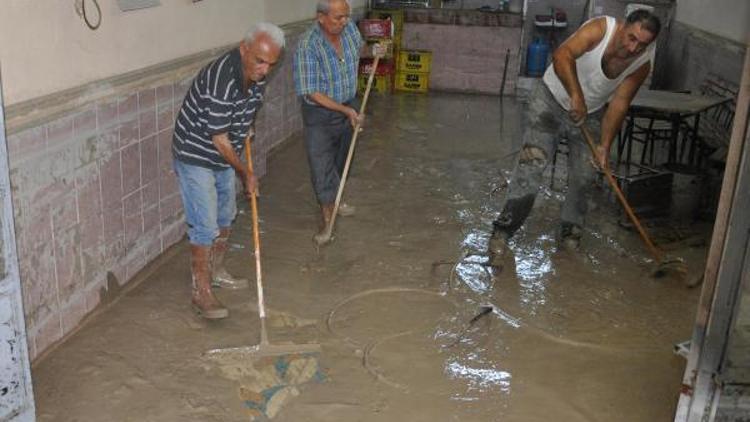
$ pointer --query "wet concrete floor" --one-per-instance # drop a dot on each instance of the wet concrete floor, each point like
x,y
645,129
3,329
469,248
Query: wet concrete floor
x,y
581,336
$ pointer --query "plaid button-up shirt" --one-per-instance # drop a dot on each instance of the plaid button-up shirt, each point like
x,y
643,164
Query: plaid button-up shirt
x,y
318,68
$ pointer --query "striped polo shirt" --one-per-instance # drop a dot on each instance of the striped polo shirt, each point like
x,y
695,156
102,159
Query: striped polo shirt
x,y
214,104
318,68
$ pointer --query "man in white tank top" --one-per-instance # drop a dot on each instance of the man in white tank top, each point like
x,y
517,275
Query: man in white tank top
x,y
603,63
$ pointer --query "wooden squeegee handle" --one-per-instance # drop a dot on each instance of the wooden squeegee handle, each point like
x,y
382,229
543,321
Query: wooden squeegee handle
x,y
353,143
256,234
655,252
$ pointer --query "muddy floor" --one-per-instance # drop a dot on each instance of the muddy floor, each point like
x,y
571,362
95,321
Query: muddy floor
x,y
584,336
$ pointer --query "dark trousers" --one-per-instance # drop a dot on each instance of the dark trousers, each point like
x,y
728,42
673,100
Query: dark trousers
x,y
543,125
327,135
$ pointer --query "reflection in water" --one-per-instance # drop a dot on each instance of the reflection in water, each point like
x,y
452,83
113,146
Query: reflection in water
x,y
533,261
481,379
509,319
533,266
474,276
475,240
473,270
464,216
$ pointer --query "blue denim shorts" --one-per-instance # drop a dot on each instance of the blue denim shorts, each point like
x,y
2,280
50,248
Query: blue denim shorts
x,y
208,197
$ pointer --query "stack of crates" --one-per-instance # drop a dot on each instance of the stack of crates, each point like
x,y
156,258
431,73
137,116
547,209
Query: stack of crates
x,y
406,70
413,70
382,83
377,31
396,16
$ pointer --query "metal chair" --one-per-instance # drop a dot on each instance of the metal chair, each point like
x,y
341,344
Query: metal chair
x,y
647,130
715,126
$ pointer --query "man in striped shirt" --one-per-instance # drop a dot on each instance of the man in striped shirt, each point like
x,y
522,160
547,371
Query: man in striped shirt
x,y
216,116
325,76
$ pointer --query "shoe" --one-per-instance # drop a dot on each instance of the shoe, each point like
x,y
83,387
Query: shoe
x,y
570,236
220,277
203,300
223,280
206,305
498,250
326,212
346,210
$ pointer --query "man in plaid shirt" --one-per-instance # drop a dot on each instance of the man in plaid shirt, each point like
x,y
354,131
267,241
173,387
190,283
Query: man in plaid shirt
x,y
325,76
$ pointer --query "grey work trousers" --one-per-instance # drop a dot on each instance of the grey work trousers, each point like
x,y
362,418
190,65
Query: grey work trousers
x,y
543,125
327,135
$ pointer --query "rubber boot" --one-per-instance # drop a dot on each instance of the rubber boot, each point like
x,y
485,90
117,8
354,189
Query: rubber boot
x,y
570,236
326,212
203,300
220,277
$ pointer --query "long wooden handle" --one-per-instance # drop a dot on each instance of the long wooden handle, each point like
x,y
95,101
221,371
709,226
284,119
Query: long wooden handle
x,y
256,235
655,252
342,182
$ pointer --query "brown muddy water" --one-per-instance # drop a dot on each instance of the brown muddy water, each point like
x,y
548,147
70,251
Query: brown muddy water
x,y
565,336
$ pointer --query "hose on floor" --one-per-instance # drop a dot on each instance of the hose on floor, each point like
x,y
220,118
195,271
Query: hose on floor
x,y
86,18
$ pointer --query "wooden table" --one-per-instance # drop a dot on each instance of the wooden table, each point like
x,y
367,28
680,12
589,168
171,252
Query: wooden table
x,y
676,108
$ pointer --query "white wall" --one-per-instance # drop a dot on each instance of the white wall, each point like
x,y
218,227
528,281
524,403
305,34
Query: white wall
x,y
45,47
289,10
286,11
726,18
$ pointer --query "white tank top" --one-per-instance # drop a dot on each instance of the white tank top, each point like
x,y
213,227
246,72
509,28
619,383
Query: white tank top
x,y
597,87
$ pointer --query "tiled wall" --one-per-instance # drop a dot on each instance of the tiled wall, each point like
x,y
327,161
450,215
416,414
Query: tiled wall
x,y
467,58
95,197
694,55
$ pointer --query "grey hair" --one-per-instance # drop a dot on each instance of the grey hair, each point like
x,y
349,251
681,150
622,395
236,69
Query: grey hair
x,y
274,32
324,6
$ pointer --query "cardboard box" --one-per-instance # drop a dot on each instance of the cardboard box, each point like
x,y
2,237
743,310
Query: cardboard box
x,y
412,82
415,61
376,28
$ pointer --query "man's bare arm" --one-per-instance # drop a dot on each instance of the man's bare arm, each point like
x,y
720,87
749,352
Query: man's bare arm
x,y
224,146
618,108
585,39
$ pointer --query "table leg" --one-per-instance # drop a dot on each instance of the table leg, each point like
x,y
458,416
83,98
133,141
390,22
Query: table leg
x,y
629,139
675,119
624,141
696,143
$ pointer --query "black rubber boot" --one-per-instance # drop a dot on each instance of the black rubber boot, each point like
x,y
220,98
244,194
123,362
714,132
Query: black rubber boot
x,y
570,236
